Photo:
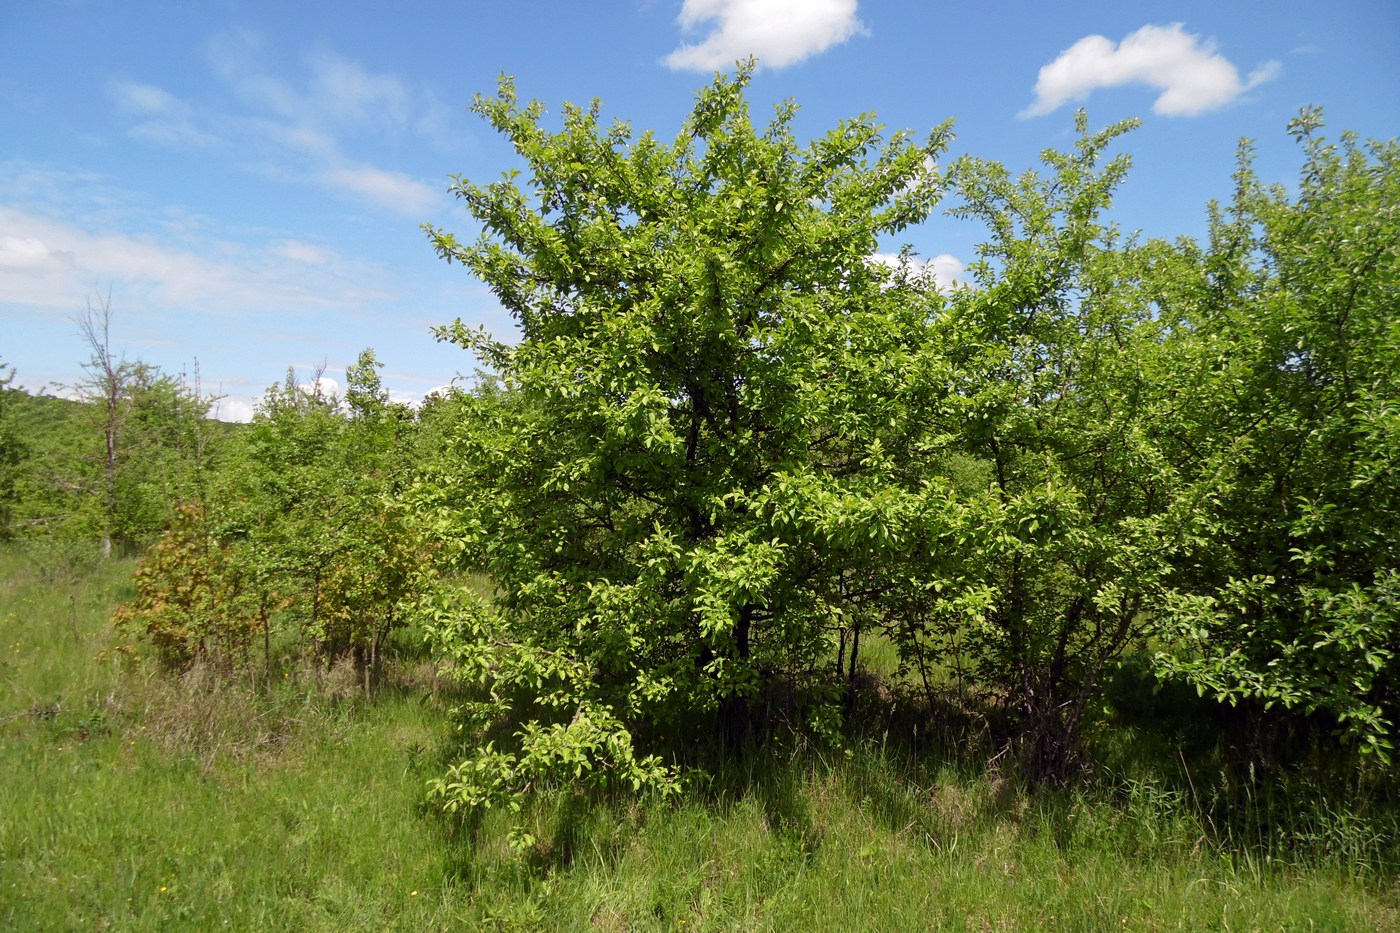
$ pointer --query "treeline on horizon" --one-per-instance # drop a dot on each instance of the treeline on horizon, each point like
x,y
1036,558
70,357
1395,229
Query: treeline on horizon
x,y
730,452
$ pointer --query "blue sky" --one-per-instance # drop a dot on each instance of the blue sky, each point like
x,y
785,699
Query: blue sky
x,y
247,180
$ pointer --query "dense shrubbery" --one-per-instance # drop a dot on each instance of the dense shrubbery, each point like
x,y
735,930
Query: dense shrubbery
x,y
304,539
730,448
733,444
287,535
1289,423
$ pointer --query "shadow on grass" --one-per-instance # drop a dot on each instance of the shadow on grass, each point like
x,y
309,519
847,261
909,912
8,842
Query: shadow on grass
x,y
1158,784
893,760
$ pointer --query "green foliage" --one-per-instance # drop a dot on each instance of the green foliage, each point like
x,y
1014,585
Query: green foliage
x,y
304,537
48,432
141,802
318,503
1290,427
697,474
729,441
1051,565
146,452
12,452
65,486
731,444
171,450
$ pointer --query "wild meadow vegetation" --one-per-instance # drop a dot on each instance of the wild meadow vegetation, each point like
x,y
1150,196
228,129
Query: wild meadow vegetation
x,y
759,584
136,799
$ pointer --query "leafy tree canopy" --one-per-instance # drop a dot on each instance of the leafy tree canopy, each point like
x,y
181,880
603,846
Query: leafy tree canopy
x,y
1289,418
702,468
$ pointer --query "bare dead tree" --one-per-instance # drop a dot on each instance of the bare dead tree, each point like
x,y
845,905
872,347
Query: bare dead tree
x,y
108,379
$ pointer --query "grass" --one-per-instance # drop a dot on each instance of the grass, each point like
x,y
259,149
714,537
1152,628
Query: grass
x,y
135,801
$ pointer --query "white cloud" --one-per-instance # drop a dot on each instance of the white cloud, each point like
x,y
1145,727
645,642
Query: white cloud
x,y
235,60
945,269
440,391
778,32
1191,75
306,253
343,90
299,137
49,264
180,133
1263,74
232,408
26,255
334,91
321,385
401,397
393,190
161,116
143,98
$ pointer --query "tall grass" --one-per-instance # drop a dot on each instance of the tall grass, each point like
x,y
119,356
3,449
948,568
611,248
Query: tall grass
x,y
133,800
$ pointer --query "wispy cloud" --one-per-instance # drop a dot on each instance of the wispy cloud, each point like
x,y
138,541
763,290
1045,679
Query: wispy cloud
x,y
393,190
306,253
50,264
1186,68
159,116
345,91
236,58
302,123
143,98
332,90
778,32
27,255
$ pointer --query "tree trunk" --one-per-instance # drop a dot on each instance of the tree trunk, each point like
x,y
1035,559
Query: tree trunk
x,y
735,714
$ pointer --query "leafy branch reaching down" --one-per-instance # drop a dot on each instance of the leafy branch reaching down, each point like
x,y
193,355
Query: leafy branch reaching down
x,y
593,750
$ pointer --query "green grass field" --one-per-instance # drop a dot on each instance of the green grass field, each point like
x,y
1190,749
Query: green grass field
x,y
136,801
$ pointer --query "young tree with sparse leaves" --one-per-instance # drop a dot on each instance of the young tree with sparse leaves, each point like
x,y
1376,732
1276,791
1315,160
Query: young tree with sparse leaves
x,y
142,447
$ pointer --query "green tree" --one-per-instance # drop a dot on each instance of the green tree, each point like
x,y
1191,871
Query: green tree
x,y
188,601
699,469
382,562
305,536
1061,535
108,387
1291,426
318,498
147,445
